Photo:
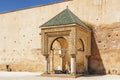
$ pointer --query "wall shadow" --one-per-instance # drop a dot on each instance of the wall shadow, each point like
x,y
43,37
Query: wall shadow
x,y
95,62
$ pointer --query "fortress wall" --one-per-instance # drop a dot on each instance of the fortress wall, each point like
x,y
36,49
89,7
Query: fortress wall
x,y
20,41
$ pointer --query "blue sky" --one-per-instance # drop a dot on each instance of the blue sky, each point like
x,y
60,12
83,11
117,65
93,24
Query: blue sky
x,y
7,5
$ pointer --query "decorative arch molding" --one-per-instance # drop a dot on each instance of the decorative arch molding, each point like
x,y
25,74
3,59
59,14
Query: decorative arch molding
x,y
81,44
57,38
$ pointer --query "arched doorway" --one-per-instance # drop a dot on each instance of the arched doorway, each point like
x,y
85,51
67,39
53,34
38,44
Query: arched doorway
x,y
60,59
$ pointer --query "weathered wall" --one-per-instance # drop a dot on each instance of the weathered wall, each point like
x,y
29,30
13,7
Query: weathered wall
x,y
20,40
105,49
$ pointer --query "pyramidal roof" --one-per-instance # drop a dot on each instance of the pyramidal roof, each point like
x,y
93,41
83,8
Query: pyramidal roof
x,y
64,18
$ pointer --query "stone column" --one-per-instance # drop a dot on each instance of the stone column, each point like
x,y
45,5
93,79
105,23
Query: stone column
x,y
52,61
47,64
86,64
61,59
60,67
73,64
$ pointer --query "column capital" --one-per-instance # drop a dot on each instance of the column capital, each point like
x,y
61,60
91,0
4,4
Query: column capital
x,y
72,55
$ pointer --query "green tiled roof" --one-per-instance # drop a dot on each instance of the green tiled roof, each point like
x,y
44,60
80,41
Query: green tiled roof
x,y
64,18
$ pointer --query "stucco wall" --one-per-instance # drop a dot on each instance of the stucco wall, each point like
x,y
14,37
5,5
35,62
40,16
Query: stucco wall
x,y
20,40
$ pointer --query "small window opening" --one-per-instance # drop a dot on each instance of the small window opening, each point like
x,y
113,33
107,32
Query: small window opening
x,y
109,35
99,41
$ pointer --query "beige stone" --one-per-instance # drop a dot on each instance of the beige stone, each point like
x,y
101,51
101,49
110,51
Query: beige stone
x,y
20,41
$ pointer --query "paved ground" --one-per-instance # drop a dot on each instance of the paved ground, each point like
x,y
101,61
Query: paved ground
x,y
36,76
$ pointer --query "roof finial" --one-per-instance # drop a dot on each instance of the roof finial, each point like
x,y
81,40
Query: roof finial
x,y
66,7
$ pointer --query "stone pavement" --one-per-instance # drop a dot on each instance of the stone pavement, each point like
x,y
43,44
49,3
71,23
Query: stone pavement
x,y
36,76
